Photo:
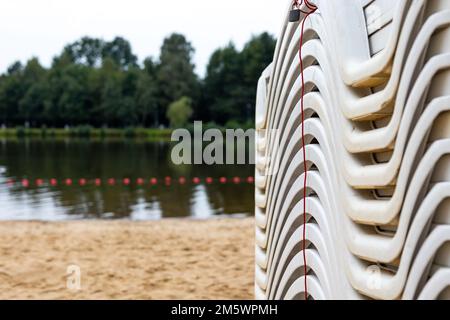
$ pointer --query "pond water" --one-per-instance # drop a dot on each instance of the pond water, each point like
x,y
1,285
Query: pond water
x,y
55,179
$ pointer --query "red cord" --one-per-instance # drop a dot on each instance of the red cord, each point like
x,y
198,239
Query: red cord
x,y
298,5
310,6
305,167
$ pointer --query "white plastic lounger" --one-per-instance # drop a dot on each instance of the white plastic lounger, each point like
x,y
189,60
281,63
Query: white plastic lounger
x,y
377,132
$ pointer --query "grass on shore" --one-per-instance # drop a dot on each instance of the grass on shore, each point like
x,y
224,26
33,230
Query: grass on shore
x,y
87,131
84,132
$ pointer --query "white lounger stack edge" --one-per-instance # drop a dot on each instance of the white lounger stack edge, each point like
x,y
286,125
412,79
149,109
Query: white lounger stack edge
x,y
377,129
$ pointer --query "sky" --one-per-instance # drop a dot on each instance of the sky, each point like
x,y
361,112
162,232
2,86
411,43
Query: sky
x,y
41,28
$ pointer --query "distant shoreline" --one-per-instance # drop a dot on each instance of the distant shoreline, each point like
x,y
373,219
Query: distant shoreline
x,y
85,132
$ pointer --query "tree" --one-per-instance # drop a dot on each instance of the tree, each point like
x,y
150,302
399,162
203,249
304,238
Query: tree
x,y
15,68
11,91
175,73
179,112
128,111
68,100
231,77
97,82
86,51
222,82
257,55
119,50
146,100
73,102
110,92
32,103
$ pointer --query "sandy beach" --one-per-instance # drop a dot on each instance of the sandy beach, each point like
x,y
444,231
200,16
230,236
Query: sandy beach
x,y
167,259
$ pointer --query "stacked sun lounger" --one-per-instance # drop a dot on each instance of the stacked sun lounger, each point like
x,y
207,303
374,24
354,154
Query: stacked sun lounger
x,y
377,132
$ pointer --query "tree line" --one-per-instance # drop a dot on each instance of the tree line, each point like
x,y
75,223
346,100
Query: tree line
x,y
102,84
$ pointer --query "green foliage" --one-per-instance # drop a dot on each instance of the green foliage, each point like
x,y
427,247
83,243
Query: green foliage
x,y
231,78
91,52
129,132
83,131
175,76
179,112
21,132
222,84
100,84
86,132
233,124
86,51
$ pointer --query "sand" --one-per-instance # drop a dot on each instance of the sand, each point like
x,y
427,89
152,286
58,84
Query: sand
x,y
167,259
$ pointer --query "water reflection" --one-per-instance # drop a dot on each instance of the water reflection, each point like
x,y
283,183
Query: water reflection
x,y
104,159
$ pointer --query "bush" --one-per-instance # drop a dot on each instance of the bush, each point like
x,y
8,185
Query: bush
x,y
211,125
83,131
233,124
52,133
250,124
129,132
21,132
103,132
179,112
141,132
44,131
